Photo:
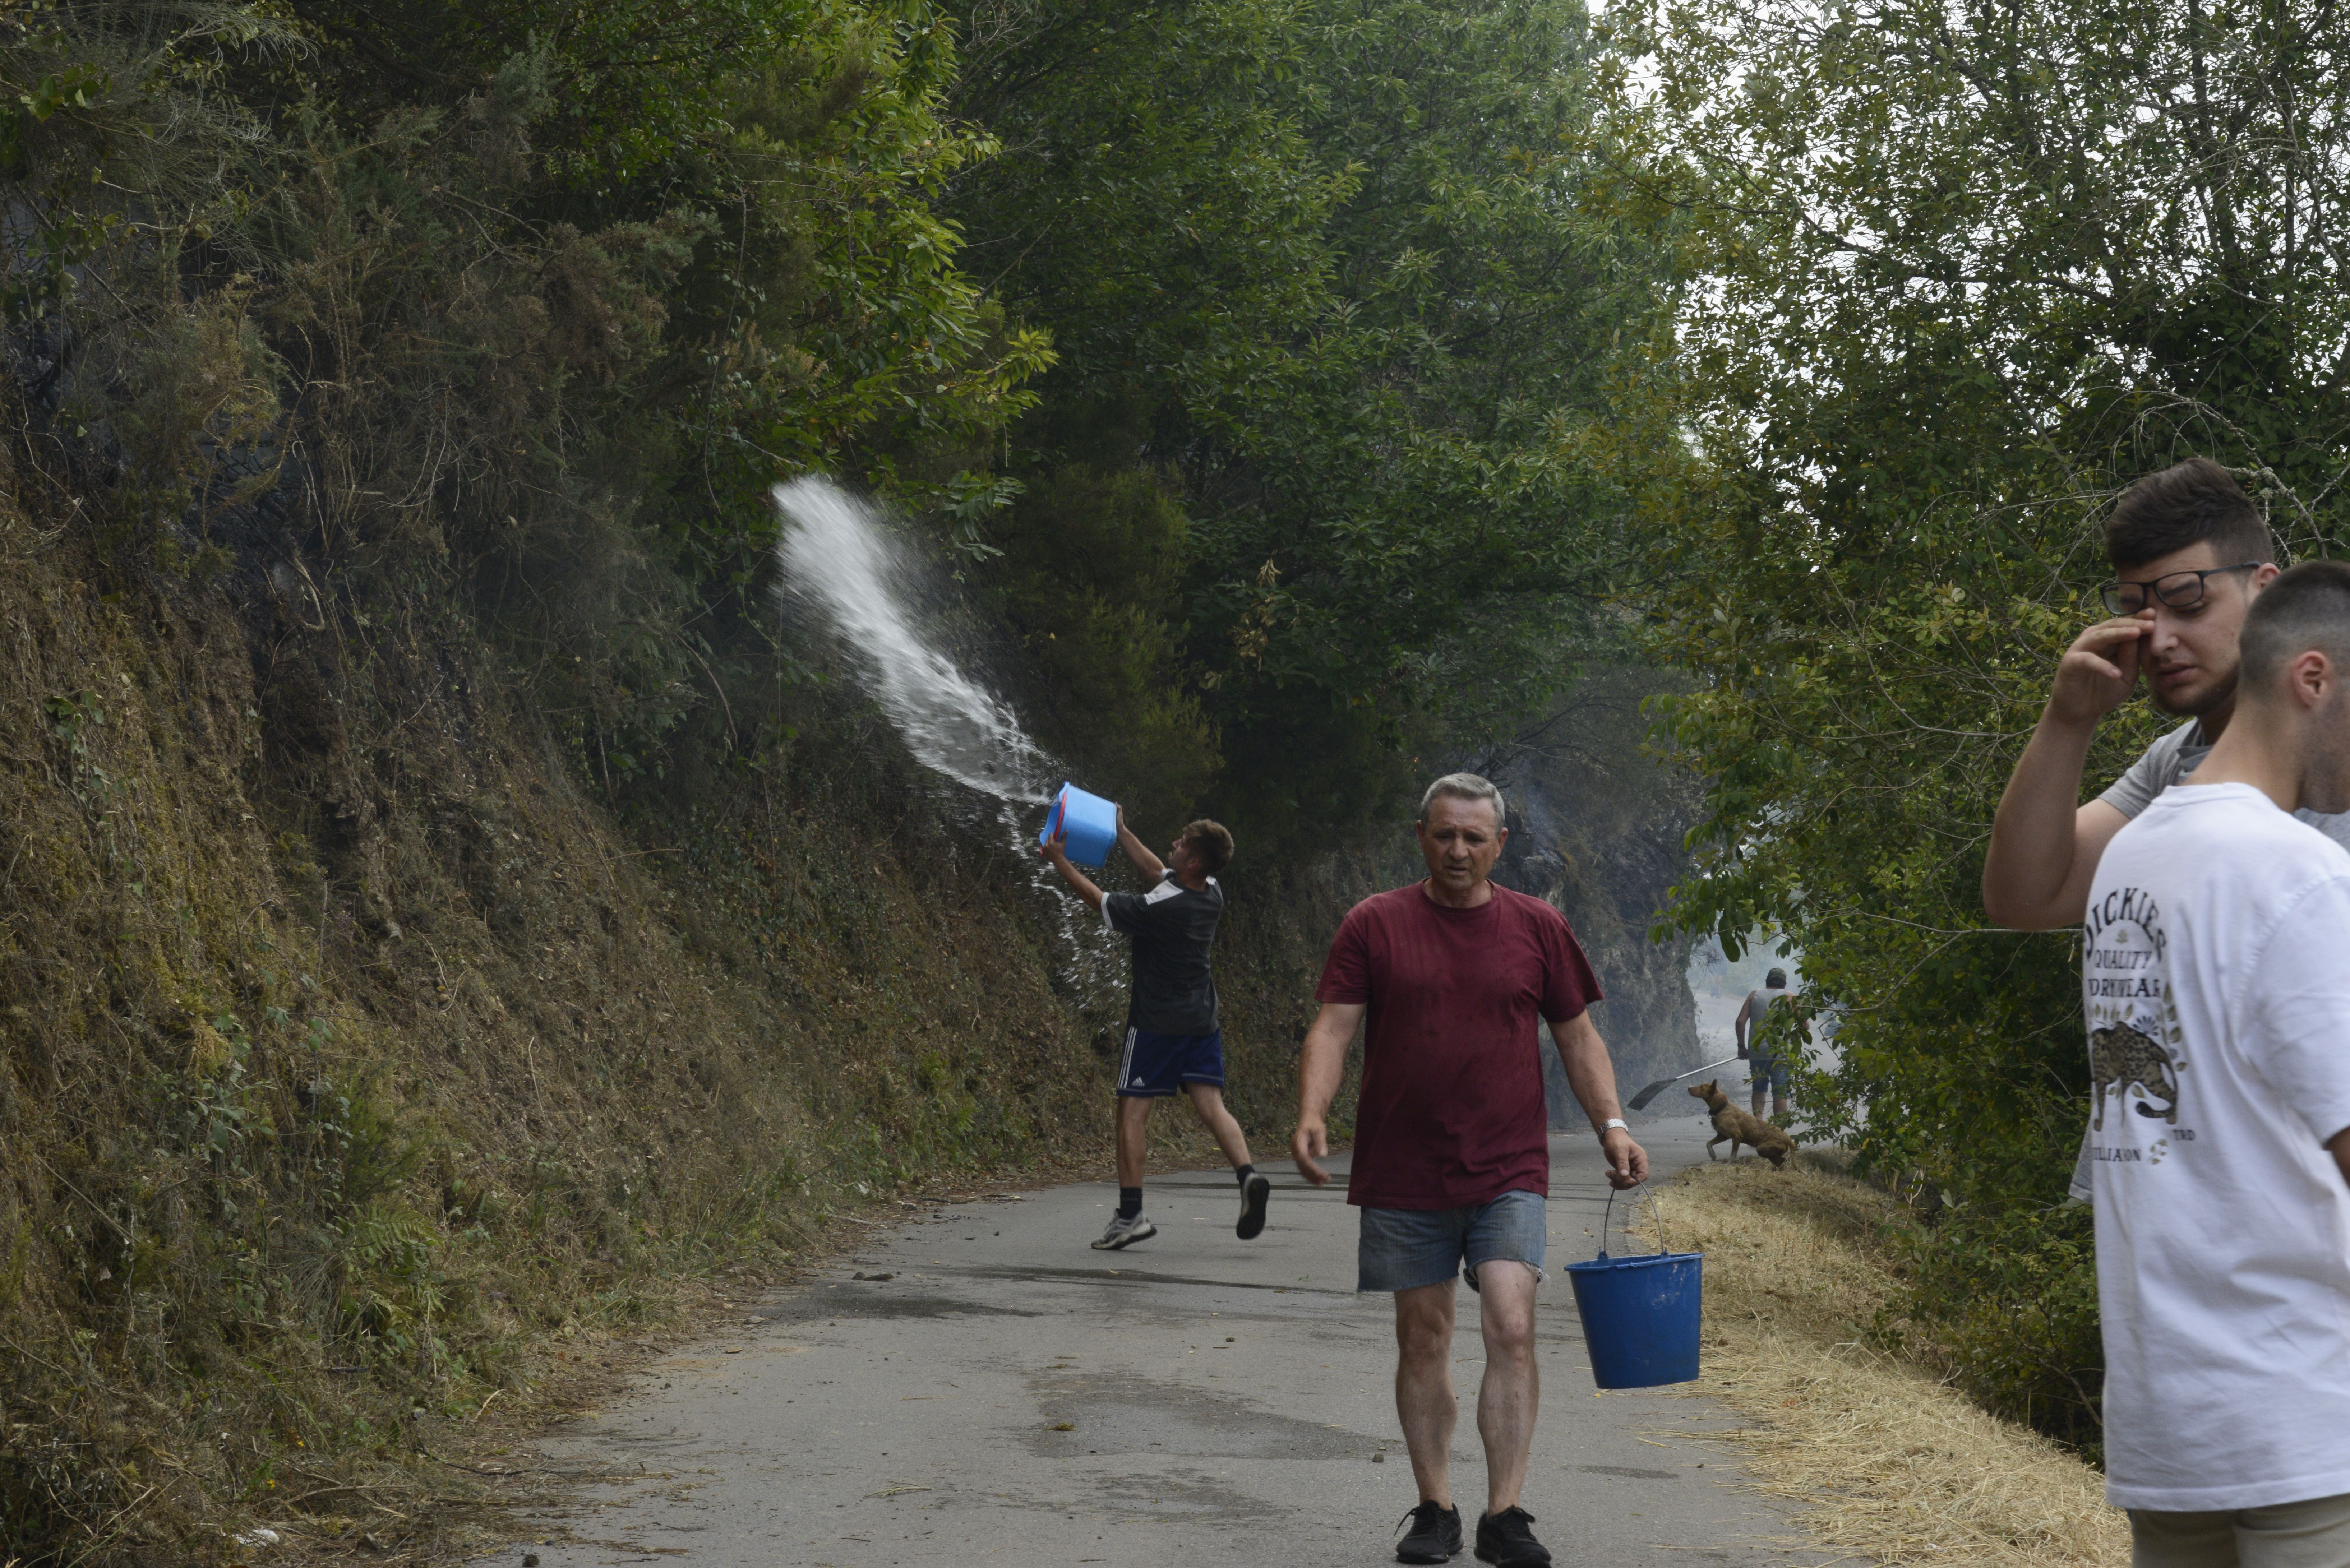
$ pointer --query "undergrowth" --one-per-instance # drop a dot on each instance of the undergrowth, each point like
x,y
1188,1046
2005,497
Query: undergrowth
x,y
359,1061
364,1067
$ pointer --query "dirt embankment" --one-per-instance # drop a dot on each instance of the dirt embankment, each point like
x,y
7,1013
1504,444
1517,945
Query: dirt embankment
x,y
365,1070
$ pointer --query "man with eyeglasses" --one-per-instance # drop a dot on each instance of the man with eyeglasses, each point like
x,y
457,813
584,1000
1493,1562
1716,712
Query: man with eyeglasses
x,y
2190,551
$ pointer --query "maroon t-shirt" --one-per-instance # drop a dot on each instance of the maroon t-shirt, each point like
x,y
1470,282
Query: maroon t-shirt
x,y
1452,1111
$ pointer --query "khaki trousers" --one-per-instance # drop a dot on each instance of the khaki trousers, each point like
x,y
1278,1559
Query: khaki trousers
x,y
2313,1534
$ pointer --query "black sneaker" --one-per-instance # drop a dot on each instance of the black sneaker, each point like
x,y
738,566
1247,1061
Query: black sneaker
x,y
1435,1534
1504,1538
1254,1193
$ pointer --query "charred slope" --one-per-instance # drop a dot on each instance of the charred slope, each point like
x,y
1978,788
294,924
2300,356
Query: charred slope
x,y
1596,828
362,1062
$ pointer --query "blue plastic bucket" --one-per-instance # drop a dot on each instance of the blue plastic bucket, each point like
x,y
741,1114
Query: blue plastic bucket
x,y
1640,1314
1089,822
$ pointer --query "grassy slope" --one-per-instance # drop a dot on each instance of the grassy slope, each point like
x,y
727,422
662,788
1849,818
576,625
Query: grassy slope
x,y
1889,1464
360,1068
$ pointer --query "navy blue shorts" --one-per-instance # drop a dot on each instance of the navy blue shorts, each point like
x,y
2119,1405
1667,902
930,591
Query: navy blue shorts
x,y
1160,1065
1764,1068
1404,1249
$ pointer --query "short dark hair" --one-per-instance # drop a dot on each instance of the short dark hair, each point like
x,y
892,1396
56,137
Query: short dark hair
x,y
1212,842
2192,502
2306,608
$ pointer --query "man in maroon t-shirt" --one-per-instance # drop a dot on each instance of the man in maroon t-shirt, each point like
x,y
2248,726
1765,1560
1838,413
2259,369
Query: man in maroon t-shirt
x,y
1452,1141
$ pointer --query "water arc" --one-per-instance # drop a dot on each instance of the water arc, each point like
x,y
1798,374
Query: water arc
x,y
840,560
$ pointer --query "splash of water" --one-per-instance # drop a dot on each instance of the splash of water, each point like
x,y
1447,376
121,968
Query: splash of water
x,y
841,563
839,560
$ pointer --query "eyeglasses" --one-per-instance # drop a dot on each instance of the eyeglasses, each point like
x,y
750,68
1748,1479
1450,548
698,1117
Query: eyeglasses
x,y
2180,590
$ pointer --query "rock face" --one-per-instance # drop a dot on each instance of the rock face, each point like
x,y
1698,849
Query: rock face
x,y
1596,828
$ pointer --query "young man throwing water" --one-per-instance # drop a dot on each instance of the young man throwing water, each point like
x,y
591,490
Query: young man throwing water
x,y
1172,1041
1455,977
2219,1020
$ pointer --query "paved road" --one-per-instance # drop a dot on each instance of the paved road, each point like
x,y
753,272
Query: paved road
x,y
1006,1394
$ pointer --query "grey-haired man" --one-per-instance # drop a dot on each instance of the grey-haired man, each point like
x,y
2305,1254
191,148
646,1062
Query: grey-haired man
x,y
1453,978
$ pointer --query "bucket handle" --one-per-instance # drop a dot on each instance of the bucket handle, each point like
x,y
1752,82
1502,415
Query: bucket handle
x,y
1608,1225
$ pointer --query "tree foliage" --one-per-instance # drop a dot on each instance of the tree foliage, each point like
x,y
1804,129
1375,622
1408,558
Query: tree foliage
x,y
1326,272
1953,275
543,312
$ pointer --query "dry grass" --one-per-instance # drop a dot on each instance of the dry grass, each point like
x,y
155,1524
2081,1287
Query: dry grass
x,y
1888,1465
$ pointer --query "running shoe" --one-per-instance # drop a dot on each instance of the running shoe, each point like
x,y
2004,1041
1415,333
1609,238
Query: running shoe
x,y
1124,1232
1254,1193
1505,1540
1435,1534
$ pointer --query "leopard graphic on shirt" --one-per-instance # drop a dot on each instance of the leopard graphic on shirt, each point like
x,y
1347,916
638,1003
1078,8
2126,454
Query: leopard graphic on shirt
x,y
2134,1035
2121,1059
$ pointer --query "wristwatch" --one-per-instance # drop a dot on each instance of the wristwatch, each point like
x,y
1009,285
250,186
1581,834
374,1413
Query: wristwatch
x,y
1613,1122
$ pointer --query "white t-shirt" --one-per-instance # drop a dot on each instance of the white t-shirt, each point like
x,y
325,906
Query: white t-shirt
x,y
2164,765
2217,1004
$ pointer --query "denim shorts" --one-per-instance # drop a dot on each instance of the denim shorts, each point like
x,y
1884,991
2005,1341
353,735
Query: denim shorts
x,y
1772,1070
1403,1249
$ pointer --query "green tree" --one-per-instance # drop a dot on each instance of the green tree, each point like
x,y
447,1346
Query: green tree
x,y
1952,277
545,310
1327,273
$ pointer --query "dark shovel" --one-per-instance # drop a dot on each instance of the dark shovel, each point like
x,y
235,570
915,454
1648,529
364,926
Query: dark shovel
x,y
1640,1101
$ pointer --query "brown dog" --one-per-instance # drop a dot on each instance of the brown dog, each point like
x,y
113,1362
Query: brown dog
x,y
1741,1127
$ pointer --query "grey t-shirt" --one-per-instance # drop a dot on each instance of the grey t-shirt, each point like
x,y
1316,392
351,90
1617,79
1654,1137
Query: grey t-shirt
x,y
1172,927
2175,755
1758,1004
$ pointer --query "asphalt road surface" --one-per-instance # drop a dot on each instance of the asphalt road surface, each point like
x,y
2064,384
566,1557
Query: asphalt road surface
x,y
995,1391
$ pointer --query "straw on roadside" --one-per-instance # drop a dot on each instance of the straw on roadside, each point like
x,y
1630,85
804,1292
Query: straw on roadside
x,y
1885,1462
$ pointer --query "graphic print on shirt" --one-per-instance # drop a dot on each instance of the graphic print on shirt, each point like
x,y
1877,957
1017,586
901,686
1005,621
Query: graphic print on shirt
x,y
2121,1059
2134,1035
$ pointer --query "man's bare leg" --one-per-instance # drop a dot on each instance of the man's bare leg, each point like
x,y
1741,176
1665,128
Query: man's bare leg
x,y
1424,1400
1507,1399
1209,1101
1133,1142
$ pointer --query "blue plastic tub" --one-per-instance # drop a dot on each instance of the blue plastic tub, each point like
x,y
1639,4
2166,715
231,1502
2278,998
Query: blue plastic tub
x,y
1640,1316
1089,822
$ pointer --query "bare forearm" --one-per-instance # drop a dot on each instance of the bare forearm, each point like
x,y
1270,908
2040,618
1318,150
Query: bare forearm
x,y
1589,1071
1079,882
2032,838
1591,1076
1146,863
1320,1066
